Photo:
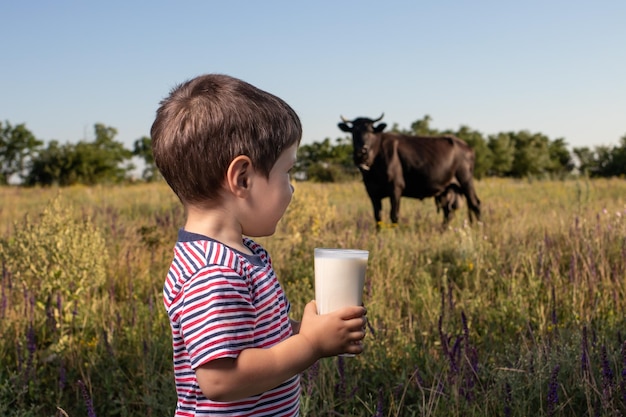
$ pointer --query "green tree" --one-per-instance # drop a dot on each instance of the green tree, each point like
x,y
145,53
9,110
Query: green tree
x,y
532,156
618,158
561,162
50,166
611,161
325,162
604,160
88,163
142,148
587,164
111,158
17,148
477,142
502,150
421,127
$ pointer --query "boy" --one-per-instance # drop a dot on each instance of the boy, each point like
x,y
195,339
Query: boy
x,y
226,149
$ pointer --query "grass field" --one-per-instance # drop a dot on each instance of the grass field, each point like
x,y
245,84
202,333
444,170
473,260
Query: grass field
x,y
519,315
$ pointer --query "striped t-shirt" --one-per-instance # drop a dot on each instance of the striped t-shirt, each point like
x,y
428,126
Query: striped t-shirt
x,y
221,301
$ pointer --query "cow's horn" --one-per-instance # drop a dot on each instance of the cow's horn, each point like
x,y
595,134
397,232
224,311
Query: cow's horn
x,y
380,118
344,119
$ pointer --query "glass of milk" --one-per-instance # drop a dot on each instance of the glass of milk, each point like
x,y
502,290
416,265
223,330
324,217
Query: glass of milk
x,y
339,278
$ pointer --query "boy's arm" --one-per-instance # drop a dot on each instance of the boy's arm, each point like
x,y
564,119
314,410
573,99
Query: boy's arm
x,y
295,326
258,370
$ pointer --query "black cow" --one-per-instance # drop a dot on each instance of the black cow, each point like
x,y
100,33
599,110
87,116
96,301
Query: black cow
x,y
395,165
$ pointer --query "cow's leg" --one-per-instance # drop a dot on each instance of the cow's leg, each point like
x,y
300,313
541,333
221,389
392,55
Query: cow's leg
x,y
377,205
395,206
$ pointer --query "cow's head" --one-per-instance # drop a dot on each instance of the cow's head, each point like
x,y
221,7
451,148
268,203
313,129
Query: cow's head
x,y
366,139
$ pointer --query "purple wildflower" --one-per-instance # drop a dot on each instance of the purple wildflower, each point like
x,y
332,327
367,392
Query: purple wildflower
x,y
370,327
3,303
379,404
508,400
417,377
59,305
623,374
553,390
397,390
311,376
584,356
469,372
6,283
607,377
450,353
31,338
74,312
623,382
340,387
87,399
455,354
553,313
32,303
440,387
62,377
465,327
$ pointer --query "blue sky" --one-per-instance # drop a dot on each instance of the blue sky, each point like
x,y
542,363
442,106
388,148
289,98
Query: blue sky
x,y
554,67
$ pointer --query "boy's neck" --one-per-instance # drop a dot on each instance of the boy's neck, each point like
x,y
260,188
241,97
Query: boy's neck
x,y
218,225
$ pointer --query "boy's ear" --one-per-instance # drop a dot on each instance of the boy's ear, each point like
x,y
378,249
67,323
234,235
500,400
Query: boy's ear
x,y
239,175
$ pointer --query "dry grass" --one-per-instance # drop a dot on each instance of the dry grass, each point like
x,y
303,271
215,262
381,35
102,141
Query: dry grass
x,y
476,320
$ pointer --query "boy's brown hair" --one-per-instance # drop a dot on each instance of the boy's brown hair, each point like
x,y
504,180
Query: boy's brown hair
x,y
208,121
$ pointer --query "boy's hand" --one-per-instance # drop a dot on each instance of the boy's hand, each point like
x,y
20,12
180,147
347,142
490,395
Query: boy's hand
x,y
257,370
334,333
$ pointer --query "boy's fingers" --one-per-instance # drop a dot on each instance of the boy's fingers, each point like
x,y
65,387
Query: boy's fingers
x,y
353,313
356,324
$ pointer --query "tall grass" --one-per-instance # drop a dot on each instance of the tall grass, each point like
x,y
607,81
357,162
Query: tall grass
x,y
520,315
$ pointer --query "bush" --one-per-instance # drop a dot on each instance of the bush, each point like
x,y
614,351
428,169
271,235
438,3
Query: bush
x,y
61,253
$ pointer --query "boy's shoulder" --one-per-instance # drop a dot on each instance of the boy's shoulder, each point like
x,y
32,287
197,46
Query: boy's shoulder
x,y
211,251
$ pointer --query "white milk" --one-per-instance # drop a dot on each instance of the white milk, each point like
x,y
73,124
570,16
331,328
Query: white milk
x,y
339,278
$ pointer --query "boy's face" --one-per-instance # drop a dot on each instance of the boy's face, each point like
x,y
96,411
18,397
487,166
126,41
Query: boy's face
x,y
271,196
